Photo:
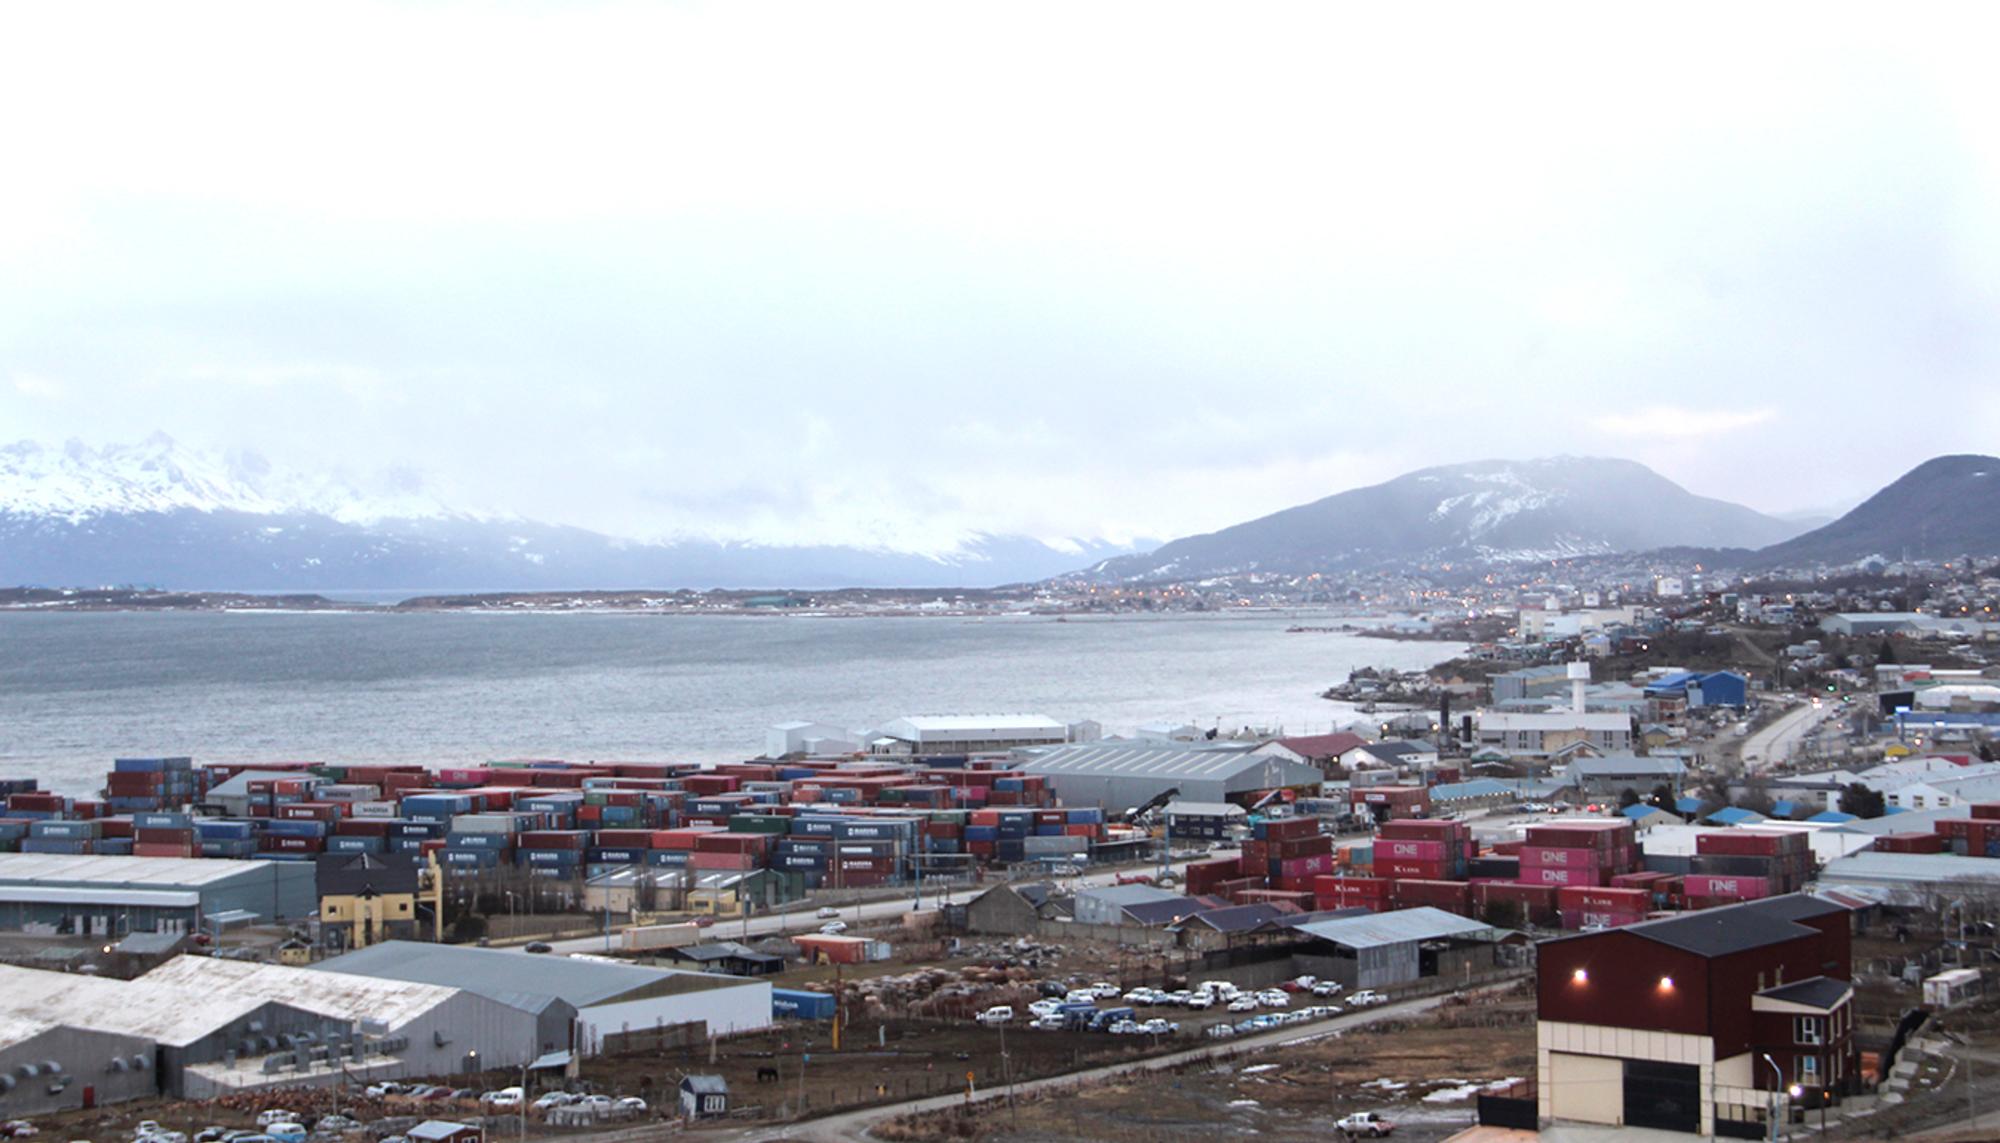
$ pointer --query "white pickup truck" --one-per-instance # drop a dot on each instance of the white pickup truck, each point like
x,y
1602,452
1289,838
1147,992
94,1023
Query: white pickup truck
x,y
1365,1123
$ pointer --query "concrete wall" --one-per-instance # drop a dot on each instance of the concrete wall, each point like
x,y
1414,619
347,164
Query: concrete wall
x,y
98,1063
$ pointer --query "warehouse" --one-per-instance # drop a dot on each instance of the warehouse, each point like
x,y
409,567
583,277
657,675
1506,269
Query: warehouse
x,y
926,734
89,895
433,1030
183,1027
1383,950
1118,775
48,1067
1914,879
608,998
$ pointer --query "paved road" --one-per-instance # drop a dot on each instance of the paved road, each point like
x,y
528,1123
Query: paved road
x,y
1774,744
883,909
849,1126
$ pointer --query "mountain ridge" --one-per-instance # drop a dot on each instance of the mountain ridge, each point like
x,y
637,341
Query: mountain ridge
x,y
1493,511
1946,507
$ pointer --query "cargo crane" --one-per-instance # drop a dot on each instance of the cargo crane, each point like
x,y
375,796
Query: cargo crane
x,y
1143,814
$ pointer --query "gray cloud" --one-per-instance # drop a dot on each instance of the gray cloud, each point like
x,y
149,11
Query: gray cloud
x,y
902,272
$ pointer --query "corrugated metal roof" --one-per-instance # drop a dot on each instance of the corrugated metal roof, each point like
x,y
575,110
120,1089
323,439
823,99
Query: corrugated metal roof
x,y
1399,927
162,1013
339,995
495,973
71,895
1914,868
1153,760
156,872
20,1029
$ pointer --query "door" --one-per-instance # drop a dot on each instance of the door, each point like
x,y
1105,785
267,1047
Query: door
x,y
1662,1096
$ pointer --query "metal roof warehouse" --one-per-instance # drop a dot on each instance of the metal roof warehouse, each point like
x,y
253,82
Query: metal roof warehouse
x,y
1120,774
1380,950
92,894
608,997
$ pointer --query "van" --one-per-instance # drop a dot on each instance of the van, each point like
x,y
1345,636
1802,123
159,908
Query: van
x,y
999,1014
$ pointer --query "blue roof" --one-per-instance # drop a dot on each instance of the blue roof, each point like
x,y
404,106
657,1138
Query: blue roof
x,y
1887,810
1637,810
1783,809
1476,788
1735,815
1674,682
1834,817
1688,805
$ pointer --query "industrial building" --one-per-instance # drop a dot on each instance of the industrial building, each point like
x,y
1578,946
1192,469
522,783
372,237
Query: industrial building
x,y
46,1067
1611,775
1539,735
1697,1023
1910,879
602,998
91,895
1384,950
926,734
421,1029
1118,775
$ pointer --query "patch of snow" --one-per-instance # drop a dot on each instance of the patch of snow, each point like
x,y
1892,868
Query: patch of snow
x,y
1244,1103
1255,1068
1386,1084
1453,1094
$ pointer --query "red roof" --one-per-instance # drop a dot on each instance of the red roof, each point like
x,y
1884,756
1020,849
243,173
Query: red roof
x,y
1323,745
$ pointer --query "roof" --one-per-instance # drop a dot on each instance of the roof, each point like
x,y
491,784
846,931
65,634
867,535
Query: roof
x,y
1398,927
1322,745
1218,762
1476,788
20,1029
339,995
1555,720
1832,817
124,872
150,944
1128,894
1397,748
1623,764
438,1129
173,1016
1164,912
508,977
720,950
705,1085
1735,815
970,726
1242,918
1717,932
1816,992
1910,868
355,875
1178,808
1641,811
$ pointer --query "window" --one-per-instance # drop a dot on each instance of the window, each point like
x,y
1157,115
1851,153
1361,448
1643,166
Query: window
x,y
1806,1030
1807,1071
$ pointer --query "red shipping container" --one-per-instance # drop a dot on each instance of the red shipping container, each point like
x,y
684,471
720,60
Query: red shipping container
x,y
730,861
1749,843
1291,829
1418,870
157,849
1540,856
152,836
1986,811
1452,896
1289,848
1604,900
1910,843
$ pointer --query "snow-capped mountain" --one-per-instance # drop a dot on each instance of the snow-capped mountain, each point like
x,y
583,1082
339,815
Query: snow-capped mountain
x,y
76,482
1495,511
161,515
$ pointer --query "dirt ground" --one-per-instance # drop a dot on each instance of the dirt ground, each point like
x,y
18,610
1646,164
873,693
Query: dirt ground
x,y
1421,1074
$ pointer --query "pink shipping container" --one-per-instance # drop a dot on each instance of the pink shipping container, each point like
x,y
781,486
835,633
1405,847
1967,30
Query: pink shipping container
x,y
1305,866
1558,875
1726,888
730,861
1398,849
1542,856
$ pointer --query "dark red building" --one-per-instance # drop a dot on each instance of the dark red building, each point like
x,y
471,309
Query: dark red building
x,y
1688,1023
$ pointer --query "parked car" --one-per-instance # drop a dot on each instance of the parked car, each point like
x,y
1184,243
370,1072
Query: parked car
x,y
330,1124
1274,998
1221,1032
1365,1123
1326,988
268,1117
827,912
701,922
632,1103
1080,996
540,947
1104,990
205,1135
549,1099
1044,1008
597,1103
1364,998
293,1132
998,1014
505,1097
833,928
1049,1023
1243,1004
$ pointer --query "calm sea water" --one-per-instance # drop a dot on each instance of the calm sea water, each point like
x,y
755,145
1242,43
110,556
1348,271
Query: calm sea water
x,y
78,690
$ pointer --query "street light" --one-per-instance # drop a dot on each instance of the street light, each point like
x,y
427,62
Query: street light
x,y
1776,1091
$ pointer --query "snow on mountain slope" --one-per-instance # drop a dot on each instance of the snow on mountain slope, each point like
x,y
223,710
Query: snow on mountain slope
x,y
76,482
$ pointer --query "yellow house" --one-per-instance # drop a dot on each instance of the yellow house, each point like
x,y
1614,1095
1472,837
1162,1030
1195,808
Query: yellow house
x,y
365,899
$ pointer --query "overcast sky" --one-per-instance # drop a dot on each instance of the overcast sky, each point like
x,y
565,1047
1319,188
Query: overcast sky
x,y
839,271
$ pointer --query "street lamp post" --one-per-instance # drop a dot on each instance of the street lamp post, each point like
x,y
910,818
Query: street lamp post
x,y
1777,1091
